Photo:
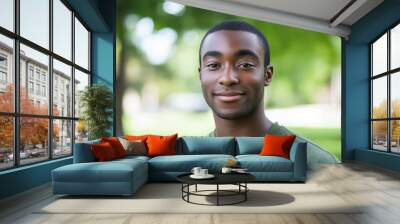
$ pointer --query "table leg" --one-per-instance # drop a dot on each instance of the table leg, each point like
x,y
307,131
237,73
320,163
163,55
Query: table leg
x,y
217,194
245,193
188,189
196,188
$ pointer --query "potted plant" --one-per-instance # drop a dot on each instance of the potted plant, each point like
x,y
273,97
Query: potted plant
x,y
96,103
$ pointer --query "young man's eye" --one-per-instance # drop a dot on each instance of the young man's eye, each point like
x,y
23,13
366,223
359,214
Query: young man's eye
x,y
213,66
246,66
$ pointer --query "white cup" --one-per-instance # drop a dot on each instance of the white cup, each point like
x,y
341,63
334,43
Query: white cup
x,y
196,170
203,172
226,170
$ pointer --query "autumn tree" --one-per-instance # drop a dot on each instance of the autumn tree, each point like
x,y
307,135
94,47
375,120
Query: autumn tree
x,y
33,130
380,127
6,122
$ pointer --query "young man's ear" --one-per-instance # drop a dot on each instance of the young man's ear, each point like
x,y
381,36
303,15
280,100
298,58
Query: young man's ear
x,y
269,70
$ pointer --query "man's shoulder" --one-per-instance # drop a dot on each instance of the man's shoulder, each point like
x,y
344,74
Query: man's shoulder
x,y
277,129
312,147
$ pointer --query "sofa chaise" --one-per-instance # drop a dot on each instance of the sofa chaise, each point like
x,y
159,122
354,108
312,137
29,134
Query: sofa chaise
x,y
126,175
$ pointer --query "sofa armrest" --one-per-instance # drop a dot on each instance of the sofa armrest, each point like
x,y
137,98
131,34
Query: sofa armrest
x,y
83,152
298,155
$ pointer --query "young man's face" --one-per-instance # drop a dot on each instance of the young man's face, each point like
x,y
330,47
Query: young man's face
x,y
233,73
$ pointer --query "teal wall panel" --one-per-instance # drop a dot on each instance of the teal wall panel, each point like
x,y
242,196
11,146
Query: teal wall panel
x,y
377,158
24,178
355,81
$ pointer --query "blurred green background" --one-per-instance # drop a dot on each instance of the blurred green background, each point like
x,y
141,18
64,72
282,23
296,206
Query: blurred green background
x,y
158,89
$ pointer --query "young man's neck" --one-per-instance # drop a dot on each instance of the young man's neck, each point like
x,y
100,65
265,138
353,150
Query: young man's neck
x,y
256,125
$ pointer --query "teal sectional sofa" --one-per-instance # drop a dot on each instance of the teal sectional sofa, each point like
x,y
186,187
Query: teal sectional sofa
x,y
125,176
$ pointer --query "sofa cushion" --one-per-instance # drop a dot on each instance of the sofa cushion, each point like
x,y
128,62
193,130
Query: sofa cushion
x,y
249,145
136,137
185,163
116,145
83,152
277,145
161,145
191,145
111,171
103,151
257,163
136,147
142,138
132,158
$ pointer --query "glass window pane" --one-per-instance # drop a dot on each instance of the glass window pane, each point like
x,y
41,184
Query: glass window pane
x,y
7,14
62,89
6,142
6,74
395,94
81,131
395,135
34,97
34,16
379,98
33,139
62,138
81,81
395,47
379,55
81,45
379,135
62,29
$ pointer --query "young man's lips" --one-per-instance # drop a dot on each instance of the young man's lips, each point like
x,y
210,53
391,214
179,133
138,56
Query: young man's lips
x,y
229,97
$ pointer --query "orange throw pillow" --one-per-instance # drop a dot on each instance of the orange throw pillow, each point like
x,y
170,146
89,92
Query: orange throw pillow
x,y
161,145
116,145
136,137
275,145
103,151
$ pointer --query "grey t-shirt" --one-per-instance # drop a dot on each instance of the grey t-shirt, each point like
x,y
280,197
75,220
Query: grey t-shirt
x,y
316,155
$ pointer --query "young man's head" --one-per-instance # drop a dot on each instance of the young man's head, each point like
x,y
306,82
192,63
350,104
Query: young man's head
x,y
234,68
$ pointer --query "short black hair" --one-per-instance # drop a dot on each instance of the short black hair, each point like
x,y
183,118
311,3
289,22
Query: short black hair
x,y
236,25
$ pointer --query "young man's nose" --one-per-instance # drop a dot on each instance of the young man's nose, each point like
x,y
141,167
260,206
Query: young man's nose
x,y
229,76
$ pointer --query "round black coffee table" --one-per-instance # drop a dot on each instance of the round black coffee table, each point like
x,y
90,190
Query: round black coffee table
x,y
238,179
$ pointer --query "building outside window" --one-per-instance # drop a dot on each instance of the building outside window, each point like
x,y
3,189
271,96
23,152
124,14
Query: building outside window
x,y
43,90
38,89
3,61
30,87
37,74
3,79
30,72
44,77
3,72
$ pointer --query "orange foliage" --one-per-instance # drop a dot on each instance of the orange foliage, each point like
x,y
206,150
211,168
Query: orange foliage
x,y
33,130
380,127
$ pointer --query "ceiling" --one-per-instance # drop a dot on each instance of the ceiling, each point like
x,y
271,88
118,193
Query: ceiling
x,y
333,17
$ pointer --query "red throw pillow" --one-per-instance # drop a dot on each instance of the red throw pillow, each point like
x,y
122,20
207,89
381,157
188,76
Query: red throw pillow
x,y
275,145
161,145
103,151
116,145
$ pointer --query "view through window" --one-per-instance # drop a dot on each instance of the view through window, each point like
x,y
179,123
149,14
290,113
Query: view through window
x,y
44,64
385,80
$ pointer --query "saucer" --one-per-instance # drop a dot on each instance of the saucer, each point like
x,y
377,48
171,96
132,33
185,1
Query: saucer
x,y
208,176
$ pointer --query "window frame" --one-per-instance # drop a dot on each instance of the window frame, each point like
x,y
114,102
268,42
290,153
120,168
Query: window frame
x,y
16,114
388,74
